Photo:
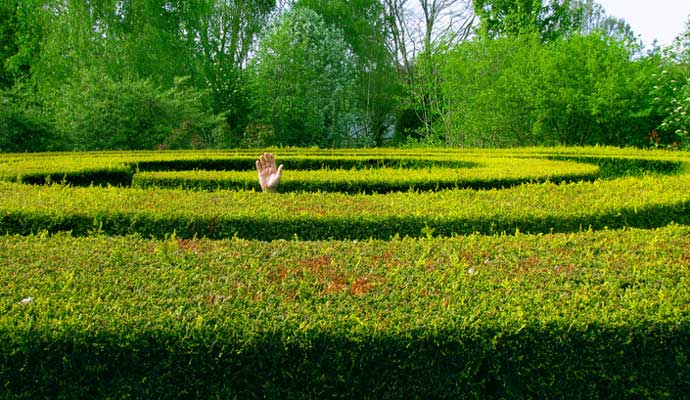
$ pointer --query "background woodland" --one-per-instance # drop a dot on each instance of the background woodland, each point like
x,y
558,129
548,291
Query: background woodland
x,y
173,74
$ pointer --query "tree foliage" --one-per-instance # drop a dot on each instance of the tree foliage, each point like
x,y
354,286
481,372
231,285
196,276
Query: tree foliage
x,y
593,18
672,91
22,30
550,19
23,125
576,91
302,81
420,31
103,74
376,87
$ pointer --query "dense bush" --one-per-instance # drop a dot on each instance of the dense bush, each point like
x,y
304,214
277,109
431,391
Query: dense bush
x,y
518,91
568,316
303,78
23,124
94,112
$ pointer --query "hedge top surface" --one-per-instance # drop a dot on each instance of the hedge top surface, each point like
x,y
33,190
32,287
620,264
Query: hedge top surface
x,y
649,200
100,283
485,173
13,166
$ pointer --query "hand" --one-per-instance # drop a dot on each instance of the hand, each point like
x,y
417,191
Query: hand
x,y
269,175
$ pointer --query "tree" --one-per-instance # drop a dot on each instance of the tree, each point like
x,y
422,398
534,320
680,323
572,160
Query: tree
x,y
8,16
672,90
588,95
593,18
24,125
377,87
491,86
121,38
21,32
302,82
159,41
224,33
550,19
419,32
517,91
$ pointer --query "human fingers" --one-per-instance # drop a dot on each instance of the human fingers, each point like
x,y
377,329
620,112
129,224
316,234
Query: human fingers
x,y
271,160
262,161
280,171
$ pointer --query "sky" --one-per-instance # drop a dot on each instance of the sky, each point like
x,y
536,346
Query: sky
x,y
651,19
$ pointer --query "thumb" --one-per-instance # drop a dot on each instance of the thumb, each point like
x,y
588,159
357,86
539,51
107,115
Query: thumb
x,y
280,170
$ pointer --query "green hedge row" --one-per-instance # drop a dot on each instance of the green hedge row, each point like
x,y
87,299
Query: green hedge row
x,y
613,167
489,173
557,316
308,163
645,202
117,168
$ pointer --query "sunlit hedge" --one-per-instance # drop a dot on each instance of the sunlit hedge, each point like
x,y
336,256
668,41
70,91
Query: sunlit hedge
x,y
112,291
479,173
587,315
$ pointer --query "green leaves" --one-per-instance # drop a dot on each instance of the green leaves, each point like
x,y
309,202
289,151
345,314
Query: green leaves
x,y
548,19
119,292
303,77
565,308
518,91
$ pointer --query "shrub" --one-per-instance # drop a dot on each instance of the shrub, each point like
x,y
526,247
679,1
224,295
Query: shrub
x,y
23,124
568,316
96,112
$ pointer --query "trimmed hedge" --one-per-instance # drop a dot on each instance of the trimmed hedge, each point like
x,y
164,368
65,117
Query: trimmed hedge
x,y
577,315
646,202
613,167
84,169
568,316
488,174
117,168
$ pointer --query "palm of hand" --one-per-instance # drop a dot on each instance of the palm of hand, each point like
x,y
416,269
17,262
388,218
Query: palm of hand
x,y
269,175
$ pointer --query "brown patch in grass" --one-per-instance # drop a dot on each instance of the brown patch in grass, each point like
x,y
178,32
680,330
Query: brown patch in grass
x,y
360,286
564,269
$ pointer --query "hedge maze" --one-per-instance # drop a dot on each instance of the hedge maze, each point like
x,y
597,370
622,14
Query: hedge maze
x,y
525,273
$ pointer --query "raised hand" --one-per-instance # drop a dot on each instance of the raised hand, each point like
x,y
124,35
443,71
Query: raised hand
x,y
269,175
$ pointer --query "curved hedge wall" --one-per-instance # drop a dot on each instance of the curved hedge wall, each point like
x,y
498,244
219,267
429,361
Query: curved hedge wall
x,y
540,208
479,173
571,282
659,197
569,316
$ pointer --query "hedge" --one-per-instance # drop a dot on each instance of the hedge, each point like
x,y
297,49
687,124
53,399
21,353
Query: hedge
x,y
646,202
487,174
117,168
568,316
84,169
589,313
